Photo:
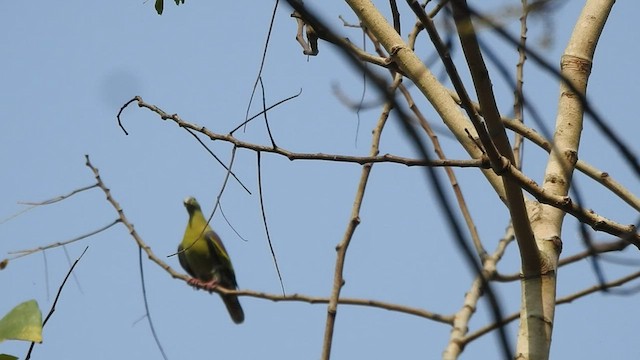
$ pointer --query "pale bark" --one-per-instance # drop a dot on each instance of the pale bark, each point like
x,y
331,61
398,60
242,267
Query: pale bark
x,y
539,293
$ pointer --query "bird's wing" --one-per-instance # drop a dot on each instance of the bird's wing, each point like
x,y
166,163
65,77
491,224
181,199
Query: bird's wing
x,y
182,257
221,258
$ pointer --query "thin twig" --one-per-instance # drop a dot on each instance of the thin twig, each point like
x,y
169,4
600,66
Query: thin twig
x,y
21,253
262,60
264,110
601,248
224,216
462,204
264,114
354,221
146,307
518,97
55,301
32,205
218,160
218,203
75,278
266,226
60,197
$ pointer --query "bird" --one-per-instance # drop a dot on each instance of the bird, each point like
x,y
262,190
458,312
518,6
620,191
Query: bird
x,y
203,256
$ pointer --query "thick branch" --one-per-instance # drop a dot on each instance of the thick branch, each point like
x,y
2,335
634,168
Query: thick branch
x,y
529,253
411,65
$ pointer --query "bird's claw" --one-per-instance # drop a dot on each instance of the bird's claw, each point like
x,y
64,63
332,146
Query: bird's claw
x,y
199,284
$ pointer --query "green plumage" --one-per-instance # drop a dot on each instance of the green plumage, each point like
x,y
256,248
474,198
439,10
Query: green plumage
x,y
203,256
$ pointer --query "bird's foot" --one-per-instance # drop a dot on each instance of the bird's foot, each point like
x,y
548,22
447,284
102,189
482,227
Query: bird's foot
x,y
210,285
205,285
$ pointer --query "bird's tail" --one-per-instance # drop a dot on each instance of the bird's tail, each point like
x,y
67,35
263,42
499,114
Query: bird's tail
x,y
234,308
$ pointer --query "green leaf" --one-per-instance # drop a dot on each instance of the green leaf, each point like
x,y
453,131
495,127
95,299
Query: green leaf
x,y
159,6
24,322
8,357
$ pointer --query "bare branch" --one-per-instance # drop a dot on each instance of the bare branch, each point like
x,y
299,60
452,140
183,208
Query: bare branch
x,y
472,297
342,301
354,221
264,222
123,219
591,171
60,197
55,301
596,248
362,160
599,176
560,301
566,204
21,253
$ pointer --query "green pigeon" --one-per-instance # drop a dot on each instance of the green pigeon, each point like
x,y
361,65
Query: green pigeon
x,y
203,256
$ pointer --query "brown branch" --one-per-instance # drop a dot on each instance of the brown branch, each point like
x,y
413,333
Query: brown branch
x,y
362,160
602,248
599,176
21,253
529,254
458,84
60,197
218,203
566,204
32,205
145,300
55,301
463,316
462,204
354,221
475,237
560,301
518,96
265,223
227,168
263,59
264,110
123,219
600,287
418,27
444,319
310,46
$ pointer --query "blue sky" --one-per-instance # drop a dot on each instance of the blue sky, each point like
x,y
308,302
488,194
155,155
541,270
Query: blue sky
x,y
67,69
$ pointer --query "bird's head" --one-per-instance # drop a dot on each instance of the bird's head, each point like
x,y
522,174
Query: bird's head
x,y
191,204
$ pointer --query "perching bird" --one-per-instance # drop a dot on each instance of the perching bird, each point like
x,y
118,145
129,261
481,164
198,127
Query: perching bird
x,y
203,256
